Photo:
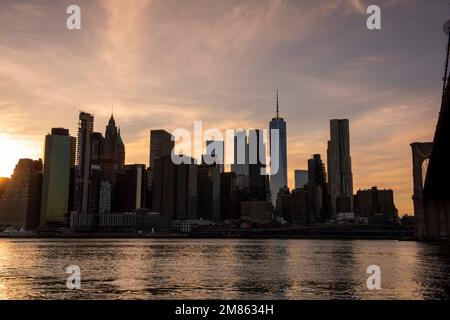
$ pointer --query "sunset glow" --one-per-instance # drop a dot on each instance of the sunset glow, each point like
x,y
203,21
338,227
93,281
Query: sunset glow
x,y
165,64
13,149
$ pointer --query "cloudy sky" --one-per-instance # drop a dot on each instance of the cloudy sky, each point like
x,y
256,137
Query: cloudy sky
x,y
166,63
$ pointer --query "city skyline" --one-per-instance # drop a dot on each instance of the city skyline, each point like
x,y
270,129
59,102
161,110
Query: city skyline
x,y
383,120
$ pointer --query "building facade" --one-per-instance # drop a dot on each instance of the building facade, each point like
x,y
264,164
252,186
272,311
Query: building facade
x,y
340,177
21,202
83,162
278,180
59,164
376,205
161,145
301,178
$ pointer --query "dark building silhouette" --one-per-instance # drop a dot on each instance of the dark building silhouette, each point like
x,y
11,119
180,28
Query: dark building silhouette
x,y
21,202
215,153
283,206
108,152
130,188
83,162
301,178
258,189
230,206
293,206
161,145
301,205
94,195
257,211
208,190
240,164
376,205
278,180
318,190
186,192
174,189
112,151
340,178
98,145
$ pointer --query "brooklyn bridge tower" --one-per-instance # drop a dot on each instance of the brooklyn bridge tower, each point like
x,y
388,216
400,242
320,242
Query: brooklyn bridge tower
x,y
436,191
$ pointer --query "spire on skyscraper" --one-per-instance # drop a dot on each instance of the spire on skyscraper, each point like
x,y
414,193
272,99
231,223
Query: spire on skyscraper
x,y
277,106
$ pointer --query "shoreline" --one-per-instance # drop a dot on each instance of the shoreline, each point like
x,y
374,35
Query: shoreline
x,y
199,237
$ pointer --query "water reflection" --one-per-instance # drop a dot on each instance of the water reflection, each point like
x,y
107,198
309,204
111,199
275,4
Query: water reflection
x,y
223,269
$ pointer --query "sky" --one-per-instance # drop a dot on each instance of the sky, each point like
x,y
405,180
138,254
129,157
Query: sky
x,y
162,64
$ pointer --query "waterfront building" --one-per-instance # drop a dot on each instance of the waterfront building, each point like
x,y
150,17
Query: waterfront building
x,y
59,164
129,222
21,202
257,211
376,205
293,206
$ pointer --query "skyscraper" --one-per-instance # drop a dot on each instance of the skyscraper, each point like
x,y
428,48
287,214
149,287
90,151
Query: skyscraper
x,y
20,204
59,162
83,161
208,190
340,176
130,188
241,154
278,180
318,189
161,145
113,153
301,178
258,182
175,189
376,205
215,153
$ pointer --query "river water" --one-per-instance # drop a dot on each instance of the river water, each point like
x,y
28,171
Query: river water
x,y
222,269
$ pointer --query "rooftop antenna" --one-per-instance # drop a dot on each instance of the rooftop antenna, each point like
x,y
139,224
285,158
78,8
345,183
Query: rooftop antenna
x,y
445,78
277,106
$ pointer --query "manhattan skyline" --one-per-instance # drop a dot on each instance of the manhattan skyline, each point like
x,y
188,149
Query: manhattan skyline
x,y
155,60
